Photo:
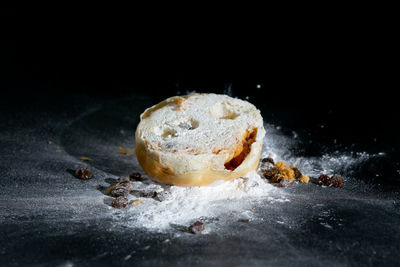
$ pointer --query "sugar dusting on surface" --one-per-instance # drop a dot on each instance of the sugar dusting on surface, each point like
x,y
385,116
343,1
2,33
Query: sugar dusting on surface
x,y
184,205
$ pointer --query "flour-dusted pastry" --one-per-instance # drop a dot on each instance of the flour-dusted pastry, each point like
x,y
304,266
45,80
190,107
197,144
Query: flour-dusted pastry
x,y
197,139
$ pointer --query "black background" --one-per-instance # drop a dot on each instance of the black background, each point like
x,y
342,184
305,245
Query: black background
x,y
331,78
326,70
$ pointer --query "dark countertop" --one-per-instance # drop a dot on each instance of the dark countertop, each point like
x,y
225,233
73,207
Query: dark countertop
x,y
48,217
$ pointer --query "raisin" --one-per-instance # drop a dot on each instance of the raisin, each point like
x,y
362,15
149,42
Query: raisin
x,y
324,179
297,173
268,160
197,227
119,191
120,202
271,174
83,174
127,185
266,163
337,181
136,177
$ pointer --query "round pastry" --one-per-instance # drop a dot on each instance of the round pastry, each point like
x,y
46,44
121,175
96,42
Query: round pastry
x,y
197,139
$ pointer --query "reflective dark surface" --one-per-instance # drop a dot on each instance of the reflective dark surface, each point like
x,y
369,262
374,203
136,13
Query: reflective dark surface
x,y
49,217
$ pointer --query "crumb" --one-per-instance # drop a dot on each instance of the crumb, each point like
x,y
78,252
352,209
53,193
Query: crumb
x,y
120,202
85,159
83,174
137,202
122,150
131,152
197,227
304,179
285,170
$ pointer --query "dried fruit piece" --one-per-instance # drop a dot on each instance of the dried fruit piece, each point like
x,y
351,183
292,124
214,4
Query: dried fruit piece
x,y
271,174
119,191
120,202
299,176
197,228
83,174
268,160
297,173
281,174
266,163
334,180
135,176
127,185
337,181
324,180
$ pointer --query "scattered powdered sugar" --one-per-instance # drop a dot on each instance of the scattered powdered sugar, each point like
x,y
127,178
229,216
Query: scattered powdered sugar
x,y
182,205
279,147
176,205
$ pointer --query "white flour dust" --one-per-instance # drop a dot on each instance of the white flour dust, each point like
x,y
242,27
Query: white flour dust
x,y
183,205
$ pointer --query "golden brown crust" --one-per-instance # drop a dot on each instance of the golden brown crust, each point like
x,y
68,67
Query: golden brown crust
x,y
166,175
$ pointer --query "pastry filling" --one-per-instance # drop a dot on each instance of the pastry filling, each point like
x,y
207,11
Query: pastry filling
x,y
242,150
